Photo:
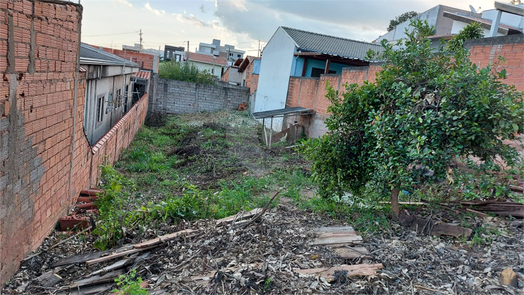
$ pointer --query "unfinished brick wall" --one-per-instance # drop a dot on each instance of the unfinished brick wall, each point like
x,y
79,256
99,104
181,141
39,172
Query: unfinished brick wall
x,y
225,76
45,157
179,97
38,56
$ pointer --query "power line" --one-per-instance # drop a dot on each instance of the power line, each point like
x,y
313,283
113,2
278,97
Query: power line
x,y
112,34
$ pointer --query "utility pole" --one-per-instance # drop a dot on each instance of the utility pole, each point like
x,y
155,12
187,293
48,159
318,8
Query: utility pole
x,y
259,48
140,39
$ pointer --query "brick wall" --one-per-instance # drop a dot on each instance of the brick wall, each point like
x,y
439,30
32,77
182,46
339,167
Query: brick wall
x,y
145,60
225,76
46,159
178,97
487,50
251,79
310,92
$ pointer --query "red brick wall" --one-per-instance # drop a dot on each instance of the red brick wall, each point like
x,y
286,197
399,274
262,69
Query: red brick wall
x,y
145,60
46,159
225,76
487,50
251,79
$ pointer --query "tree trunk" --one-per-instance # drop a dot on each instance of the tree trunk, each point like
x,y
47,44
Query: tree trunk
x,y
394,203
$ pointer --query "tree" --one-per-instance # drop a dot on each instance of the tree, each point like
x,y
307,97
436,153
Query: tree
x,y
183,71
400,19
425,109
471,31
515,2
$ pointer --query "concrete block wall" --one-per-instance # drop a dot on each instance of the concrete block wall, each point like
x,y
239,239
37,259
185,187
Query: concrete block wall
x,y
179,97
45,157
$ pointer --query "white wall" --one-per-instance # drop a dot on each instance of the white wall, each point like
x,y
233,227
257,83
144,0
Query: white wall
x,y
208,67
275,69
399,32
458,26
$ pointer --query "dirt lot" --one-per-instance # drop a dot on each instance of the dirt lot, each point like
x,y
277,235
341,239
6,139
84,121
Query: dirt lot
x,y
220,158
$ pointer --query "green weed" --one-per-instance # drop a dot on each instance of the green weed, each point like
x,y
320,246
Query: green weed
x,y
129,284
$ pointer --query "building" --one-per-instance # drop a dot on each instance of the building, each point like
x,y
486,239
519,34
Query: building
x,y
291,52
449,21
227,51
434,16
216,65
175,53
107,94
146,61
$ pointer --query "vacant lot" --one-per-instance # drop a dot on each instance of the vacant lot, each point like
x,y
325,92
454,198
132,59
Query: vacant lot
x,y
182,172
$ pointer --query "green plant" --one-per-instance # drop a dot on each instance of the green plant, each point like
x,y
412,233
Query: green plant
x,y
183,71
425,109
471,31
129,284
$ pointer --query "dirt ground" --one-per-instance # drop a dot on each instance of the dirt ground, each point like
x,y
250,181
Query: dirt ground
x,y
260,258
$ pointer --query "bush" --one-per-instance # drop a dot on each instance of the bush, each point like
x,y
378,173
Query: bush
x,y
185,72
424,110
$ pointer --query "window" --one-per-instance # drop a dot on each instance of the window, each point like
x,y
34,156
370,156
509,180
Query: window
x,y
118,102
239,55
316,72
100,108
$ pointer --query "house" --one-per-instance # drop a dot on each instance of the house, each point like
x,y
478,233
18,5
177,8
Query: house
x,y
244,72
434,16
216,65
449,21
107,93
510,23
227,51
175,53
297,53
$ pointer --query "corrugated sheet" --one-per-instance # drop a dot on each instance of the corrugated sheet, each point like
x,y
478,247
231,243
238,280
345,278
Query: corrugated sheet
x,y
335,46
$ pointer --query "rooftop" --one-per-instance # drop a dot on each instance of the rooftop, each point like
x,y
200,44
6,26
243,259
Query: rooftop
x,y
207,58
330,45
89,55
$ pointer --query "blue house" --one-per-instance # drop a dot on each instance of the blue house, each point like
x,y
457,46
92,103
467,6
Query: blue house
x,y
291,52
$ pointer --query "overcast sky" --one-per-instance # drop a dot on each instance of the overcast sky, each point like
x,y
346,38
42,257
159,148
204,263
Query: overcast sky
x,y
242,23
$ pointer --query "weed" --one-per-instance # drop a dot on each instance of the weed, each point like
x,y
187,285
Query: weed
x,y
129,284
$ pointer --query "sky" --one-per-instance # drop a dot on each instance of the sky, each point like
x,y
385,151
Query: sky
x,y
242,23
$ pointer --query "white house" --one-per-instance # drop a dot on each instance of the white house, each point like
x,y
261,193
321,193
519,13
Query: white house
x,y
213,64
108,90
292,52
227,51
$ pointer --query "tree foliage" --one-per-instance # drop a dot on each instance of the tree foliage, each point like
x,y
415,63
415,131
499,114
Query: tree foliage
x,y
425,109
471,31
400,19
183,71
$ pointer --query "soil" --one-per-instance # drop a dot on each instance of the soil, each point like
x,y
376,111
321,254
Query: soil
x,y
260,258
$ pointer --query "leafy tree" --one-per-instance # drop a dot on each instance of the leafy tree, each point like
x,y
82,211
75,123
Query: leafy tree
x,y
516,2
425,109
400,19
184,72
471,31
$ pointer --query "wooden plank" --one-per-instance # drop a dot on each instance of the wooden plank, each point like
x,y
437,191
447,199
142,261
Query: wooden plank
x,y
351,253
49,279
94,290
335,229
337,240
117,255
80,258
335,235
107,278
162,239
352,270
116,265
239,216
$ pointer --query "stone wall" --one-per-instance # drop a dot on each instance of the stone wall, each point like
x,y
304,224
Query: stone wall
x,y
179,97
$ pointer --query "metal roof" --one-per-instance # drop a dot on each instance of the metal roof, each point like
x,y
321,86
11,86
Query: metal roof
x,y
335,46
90,55
282,112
